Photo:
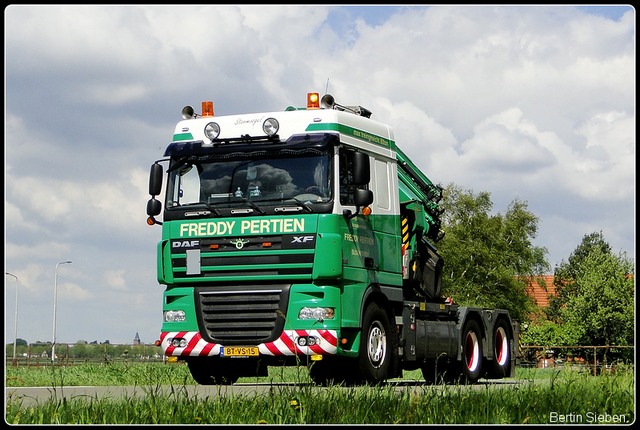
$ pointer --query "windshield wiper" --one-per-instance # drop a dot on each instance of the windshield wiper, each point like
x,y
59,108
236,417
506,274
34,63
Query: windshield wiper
x,y
214,210
300,203
303,204
211,208
253,205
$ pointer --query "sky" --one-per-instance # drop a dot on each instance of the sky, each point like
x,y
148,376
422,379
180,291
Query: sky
x,y
535,103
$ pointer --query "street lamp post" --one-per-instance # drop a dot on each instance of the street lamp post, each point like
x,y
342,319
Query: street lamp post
x,y
15,323
55,305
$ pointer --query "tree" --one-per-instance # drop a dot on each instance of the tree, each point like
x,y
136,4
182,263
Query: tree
x,y
80,350
488,258
550,333
601,305
594,302
565,274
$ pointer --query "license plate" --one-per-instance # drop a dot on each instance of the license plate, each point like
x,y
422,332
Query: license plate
x,y
239,351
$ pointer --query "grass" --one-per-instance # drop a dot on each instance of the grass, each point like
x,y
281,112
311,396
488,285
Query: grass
x,y
546,396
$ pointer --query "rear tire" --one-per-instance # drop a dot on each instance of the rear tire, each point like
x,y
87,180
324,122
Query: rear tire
x,y
500,366
471,363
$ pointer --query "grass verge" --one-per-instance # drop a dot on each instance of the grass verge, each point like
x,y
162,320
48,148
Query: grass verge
x,y
543,397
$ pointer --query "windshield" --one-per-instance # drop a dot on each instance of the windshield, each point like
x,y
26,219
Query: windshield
x,y
297,179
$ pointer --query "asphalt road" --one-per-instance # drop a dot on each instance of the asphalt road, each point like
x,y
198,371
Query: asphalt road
x,y
34,395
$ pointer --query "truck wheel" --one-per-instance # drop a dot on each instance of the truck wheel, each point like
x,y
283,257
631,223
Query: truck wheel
x,y
375,345
501,363
471,364
203,373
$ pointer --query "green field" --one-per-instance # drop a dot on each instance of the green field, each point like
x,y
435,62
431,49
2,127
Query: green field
x,y
542,396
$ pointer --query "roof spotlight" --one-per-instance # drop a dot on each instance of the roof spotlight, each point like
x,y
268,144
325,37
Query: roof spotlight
x,y
212,130
270,126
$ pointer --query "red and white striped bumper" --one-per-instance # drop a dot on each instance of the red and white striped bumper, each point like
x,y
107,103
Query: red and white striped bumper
x,y
287,344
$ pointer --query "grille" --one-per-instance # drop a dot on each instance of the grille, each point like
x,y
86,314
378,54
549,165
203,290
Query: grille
x,y
257,256
242,315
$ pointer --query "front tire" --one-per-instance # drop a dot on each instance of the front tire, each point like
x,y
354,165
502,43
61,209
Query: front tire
x,y
375,345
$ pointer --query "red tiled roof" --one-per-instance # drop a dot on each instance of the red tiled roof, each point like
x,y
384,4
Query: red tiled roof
x,y
535,290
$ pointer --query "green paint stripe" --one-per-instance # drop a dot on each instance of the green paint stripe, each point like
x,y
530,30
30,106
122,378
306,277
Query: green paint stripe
x,y
182,136
354,132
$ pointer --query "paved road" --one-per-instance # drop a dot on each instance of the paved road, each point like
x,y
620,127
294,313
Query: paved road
x,y
34,395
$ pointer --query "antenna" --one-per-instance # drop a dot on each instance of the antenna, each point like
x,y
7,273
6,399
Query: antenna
x,y
326,90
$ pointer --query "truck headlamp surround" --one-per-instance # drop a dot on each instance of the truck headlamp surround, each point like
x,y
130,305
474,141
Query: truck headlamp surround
x,y
307,340
212,130
174,316
270,126
179,342
319,314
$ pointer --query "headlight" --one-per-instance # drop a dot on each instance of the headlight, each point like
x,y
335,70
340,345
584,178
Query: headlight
x,y
270,126
179,342
174,316
212,130
307,340
319,314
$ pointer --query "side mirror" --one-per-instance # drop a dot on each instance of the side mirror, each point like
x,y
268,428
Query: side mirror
x,y
155,179
154,207
361,169
363,198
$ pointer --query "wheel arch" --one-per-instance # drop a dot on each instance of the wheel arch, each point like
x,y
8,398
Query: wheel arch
x,y
389,298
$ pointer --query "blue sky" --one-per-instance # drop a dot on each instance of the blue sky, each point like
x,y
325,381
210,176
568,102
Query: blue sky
x,y
528,102
376,15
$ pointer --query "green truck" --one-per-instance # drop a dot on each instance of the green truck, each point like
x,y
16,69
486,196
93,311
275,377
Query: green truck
x,y
306,236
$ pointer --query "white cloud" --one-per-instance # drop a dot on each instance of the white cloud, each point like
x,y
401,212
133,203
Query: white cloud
x,y
14,218
607,166
114,94
49,199
115,279
505,143
71,292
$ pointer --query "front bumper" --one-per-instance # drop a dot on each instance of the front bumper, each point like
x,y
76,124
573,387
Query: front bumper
x,y
286,345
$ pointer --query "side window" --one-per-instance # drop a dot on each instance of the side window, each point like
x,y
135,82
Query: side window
x,y
347,187
382,185
189,186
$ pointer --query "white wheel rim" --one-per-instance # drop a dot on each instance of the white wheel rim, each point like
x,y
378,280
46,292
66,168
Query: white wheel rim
x,y
501,343
473,352
377,349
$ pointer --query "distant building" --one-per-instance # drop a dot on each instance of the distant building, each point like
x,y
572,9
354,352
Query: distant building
x,y
538,293
136,340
